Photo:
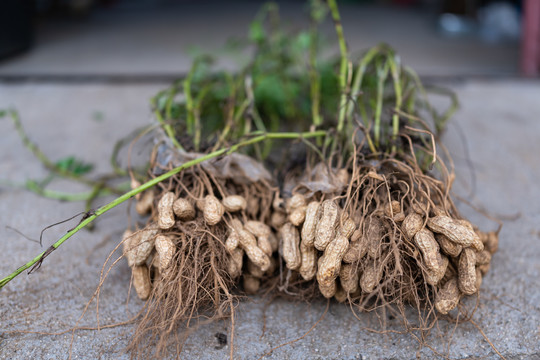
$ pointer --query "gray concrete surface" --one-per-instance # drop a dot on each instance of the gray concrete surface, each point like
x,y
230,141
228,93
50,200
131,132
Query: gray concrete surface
x,y
501,126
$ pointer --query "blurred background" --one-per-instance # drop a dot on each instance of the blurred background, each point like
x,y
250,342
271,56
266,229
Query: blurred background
x,y
156,39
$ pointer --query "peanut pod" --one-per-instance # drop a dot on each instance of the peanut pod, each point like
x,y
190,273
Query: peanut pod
x,y
290,240
310,223
425,241
145,202
330,263
454,231
165,211
412,224
348,277
165,249
234,203
326,227
183,209
448,297
298,215
467,271
448,246
212,210
141,281
308,268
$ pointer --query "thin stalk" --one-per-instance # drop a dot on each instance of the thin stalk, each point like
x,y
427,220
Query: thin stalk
x,y
314,78
190,116
102,210
167,127
343,66
49,165
382,73
395,70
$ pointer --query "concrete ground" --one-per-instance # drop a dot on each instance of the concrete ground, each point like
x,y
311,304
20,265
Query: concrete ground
x,y
499,121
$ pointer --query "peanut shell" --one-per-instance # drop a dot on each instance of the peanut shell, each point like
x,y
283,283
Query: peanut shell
x,y
330,263
448,297
412,224
326,227
234,203
467,271
290,240
348,277
448,246
165,249
145,202
141,281
213,210
308,267
298,215
454,231
165,211
183,209
310,223
425,241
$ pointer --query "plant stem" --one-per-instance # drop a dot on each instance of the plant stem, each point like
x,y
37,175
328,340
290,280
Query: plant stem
x,y
342,68
166,125
49,165
102,210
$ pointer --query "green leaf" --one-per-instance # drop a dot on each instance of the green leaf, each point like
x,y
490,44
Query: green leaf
x,y
75,166
256,32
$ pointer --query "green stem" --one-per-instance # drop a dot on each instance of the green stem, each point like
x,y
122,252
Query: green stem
x,y
382,73
49,165
343,64
102,210
395,70
166,125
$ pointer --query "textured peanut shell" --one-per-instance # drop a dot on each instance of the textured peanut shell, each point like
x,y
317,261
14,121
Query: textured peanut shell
x,y
254,253
491,242
448,246
330,264
257,228
448,297
357,250
232,241
277,219
140,245
412,224
356,235
253,206
326,227
141,281
234,203
484,269
454,231
145,202
308,267
183,209
392,208
347,228
127,238
327,289
165,211
165,249
213,210
348,277
290,240
295,201
479,278
262,232
340,295
434,277
428,246
236,262
251,284
419,208
483,257
310,223
298,215
274,242
370,277
254,270
467,271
